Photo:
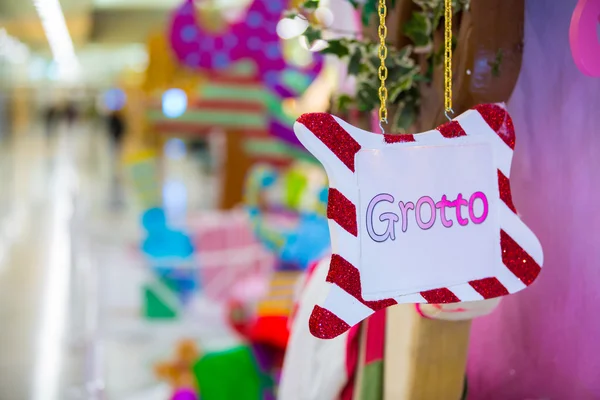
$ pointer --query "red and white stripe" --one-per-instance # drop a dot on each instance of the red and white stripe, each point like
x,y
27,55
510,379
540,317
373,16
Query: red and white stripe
x,y
335,144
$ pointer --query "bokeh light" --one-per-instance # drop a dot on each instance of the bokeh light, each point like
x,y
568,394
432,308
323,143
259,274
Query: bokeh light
x,y
289,28
114,99
174,103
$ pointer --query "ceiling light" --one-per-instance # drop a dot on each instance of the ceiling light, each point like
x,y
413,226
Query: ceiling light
x,y
12,49
59,39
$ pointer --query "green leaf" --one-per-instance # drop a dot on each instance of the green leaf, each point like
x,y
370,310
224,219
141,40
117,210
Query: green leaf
x,y
400,73
355,3
418,29
337,47
496,63
438,14
343,102
355,62
369,9
367,96
421,78
405,117
312,34
311,4
405,52
400,86
437,57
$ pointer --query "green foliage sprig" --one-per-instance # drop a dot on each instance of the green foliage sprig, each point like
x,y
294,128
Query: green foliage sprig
x,y
404,75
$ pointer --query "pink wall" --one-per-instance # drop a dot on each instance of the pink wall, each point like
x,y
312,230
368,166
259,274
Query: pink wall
x,y
545,342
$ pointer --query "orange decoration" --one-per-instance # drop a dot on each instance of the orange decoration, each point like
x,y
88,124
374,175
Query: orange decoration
x,y
178,372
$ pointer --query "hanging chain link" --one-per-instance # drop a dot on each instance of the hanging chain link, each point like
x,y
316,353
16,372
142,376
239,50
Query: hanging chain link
x,y
383,72
448,58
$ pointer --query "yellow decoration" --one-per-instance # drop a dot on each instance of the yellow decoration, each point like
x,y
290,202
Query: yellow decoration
x,y
210,16
178,372
280,299
164,72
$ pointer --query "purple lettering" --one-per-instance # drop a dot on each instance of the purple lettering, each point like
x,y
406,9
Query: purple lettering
x,y
391,219
458,203
404,209
442,204
484,214
428,224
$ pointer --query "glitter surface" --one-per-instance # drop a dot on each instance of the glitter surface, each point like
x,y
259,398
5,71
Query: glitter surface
x,y
451,129
346,276
517,260
440,296
324,324
399,138
342,211
500,121
505,194
489,288
328,131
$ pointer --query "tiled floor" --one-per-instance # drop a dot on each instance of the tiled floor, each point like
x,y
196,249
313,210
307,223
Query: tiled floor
x,y
69,277
37,359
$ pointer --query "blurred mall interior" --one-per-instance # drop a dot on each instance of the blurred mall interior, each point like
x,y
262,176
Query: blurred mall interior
x,y
165,235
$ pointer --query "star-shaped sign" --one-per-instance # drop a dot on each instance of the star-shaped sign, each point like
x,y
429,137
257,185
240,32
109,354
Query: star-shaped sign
x,y
423,218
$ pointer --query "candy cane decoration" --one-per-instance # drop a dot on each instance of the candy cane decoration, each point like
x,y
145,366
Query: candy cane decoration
x,y
517,261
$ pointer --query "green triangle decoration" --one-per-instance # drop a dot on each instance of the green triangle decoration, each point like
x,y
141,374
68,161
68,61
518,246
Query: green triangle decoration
x,y
157,305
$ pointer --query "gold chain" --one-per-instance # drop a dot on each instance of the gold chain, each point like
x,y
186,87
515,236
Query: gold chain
x,y
383,72
448,57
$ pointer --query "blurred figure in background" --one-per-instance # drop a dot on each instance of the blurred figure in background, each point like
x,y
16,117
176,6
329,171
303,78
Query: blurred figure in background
x,y
50,116
70,113
116,129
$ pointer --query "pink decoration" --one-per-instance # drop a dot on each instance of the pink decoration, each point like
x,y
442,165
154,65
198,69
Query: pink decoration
x,y
583,36
184,394
253,37
229,253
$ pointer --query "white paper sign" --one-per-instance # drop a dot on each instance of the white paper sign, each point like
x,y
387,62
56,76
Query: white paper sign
x,y
420,205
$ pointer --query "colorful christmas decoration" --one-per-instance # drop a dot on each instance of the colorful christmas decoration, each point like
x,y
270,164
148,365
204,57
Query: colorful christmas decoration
x,y
231,374
385,193
287,209
233,263
184,394
323,363
178,372
217,53
234,99
160,301
253,37
142,172
170,254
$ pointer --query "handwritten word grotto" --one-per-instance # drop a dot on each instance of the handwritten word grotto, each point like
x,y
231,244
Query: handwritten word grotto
x,y
464,211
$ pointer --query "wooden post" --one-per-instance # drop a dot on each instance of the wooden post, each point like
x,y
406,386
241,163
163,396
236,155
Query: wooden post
x,y
426,359
235,167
